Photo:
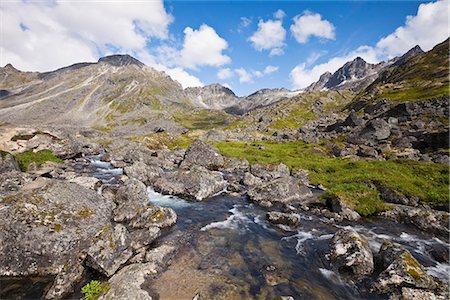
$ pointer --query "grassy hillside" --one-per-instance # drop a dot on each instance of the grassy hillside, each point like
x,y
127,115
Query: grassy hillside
x,y
421,77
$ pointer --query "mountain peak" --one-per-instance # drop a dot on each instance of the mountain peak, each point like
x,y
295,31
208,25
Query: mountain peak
x,y
120,60
10,67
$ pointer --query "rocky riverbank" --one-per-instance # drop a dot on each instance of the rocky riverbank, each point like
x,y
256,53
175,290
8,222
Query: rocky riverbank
x,y
60,222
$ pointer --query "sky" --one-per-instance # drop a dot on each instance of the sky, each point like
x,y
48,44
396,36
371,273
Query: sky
x,y
244,45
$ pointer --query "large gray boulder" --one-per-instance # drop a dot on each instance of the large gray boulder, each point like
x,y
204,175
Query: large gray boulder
x,y
131,199
44,231
202,154
143,172
198,183
12,182
400,269
351,254
160,217
109,249
280,218
269,172
282,190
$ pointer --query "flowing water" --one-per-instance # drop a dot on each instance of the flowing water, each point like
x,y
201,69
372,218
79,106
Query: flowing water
x,y
233,253
229,251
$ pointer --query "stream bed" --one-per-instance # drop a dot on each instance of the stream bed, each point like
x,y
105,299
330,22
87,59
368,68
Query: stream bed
x,y
234,253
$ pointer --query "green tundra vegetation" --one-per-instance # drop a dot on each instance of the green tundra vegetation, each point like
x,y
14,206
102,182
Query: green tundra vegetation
x,y
24,159
351,180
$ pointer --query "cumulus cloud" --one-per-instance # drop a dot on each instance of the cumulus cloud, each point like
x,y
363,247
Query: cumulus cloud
x,y
279,14
203,47
416,31
311,24
225,73
269,36
42,36
244,76
427,28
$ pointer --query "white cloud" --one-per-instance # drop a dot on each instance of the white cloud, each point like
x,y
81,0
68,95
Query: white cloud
x,y
42,36
245,22
269,36
183,77
270,69
203,47
225,73
311,24
279,14
426,29
244,76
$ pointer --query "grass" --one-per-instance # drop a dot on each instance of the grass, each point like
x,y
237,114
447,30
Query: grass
x,y
204,119
24,159
94,289
345,177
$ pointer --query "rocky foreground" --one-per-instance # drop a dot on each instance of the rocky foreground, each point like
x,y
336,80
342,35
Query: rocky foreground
x,y
60,223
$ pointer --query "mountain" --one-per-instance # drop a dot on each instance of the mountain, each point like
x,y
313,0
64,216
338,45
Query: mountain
x,y
213,96
261,98
420,76
354,75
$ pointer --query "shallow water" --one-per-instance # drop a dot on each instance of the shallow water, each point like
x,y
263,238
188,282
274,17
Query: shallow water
x,y
235,254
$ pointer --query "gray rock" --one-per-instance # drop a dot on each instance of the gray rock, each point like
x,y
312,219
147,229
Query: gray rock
x,y
235,165
130,199
144,237
197,183
400,269
281,190
110,249
336,205
11,182
251,180
351,254
87,181
45,230
269,172
160,217
288,219
8,163
142,172
416,294
425,219
202,154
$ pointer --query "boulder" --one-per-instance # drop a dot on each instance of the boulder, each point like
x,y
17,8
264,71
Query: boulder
x,y
415,294
251,180
156,216
400,269
8,163
131,198
235,165
282,190
425,219
44,232
144,237
143,172
109,249
351,254
338,206
269,172
198,183
202,154
12,182
288,219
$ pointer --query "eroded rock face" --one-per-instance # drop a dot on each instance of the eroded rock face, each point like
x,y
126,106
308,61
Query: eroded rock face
x,y
400,269
160,217
12,182
197,183
43,232
282,190
202,154
338,206
351,254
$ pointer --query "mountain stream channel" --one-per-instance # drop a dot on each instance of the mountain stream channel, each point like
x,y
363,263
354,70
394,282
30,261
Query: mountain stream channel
x,y
230,251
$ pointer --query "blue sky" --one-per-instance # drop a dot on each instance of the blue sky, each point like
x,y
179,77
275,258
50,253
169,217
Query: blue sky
x,y
247,45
